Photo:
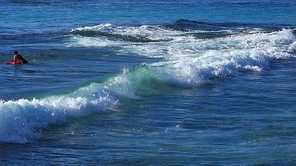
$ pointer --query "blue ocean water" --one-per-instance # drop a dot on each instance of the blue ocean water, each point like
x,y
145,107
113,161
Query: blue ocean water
x,y
148,82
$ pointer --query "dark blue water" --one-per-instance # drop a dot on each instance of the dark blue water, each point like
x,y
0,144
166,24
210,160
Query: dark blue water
x,y
148,82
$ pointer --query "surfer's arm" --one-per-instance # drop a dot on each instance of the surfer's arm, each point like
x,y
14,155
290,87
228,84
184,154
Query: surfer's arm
x,y
14,59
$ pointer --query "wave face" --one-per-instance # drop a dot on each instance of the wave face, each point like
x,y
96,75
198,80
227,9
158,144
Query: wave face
x,y
21,120
189,54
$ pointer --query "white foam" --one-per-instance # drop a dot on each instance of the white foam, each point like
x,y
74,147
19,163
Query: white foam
x,y
292,47
193,63
152,32
138,33
21,119
92,42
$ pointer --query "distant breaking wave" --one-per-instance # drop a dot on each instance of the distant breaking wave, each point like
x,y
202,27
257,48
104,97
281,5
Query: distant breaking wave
x,y
144,33
162,33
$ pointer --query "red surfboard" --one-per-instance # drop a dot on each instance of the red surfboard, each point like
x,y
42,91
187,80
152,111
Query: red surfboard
x,y
12,63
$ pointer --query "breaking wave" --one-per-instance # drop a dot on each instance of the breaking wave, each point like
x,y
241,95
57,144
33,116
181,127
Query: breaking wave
x,y
187,60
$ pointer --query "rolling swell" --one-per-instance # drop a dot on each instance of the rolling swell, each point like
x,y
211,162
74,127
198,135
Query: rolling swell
x,y
169,32
153,33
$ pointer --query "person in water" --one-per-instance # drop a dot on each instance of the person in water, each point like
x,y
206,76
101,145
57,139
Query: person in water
x,y
19,59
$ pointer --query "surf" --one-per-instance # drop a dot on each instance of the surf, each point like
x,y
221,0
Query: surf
x,y
184,60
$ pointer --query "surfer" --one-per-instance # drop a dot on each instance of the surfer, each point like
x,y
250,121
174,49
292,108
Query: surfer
x,y
19,59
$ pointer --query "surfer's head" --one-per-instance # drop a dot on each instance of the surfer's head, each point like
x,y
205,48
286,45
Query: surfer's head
x,y
15,53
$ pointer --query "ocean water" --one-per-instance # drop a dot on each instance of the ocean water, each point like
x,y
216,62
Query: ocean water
x,y
138,82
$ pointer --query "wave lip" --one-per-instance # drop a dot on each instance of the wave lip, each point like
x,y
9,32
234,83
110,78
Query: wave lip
x,y
21,120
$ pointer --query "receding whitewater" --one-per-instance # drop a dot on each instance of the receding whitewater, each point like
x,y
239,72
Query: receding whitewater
x,y
148,83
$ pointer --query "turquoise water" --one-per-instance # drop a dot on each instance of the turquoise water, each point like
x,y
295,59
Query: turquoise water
x,y
148,82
